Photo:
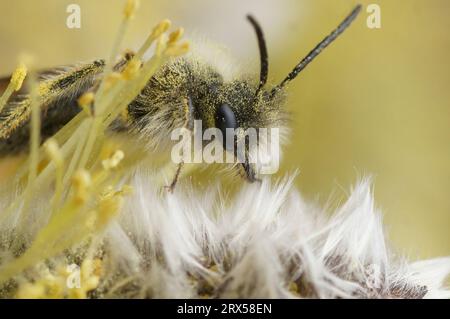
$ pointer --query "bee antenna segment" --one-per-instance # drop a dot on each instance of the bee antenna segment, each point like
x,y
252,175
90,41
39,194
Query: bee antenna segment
x,y
319,48
264,58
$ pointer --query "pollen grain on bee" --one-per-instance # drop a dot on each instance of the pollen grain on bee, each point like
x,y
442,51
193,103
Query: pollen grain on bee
x,y
257,146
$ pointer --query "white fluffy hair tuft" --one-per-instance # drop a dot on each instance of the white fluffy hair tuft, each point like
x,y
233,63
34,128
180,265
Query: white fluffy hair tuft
x,y
267,242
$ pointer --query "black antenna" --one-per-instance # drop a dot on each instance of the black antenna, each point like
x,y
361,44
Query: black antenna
x,y
318,49
264,58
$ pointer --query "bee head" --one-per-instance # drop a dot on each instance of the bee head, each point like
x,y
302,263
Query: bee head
x,y
245,113
245,105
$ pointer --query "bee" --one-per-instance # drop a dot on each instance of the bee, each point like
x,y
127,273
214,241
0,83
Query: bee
x,y
183,90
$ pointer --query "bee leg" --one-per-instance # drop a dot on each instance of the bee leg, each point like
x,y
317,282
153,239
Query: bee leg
x,y
188,124
171,187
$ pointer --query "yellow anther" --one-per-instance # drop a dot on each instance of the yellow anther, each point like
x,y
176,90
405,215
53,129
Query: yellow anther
x,y
86,99
130,8
175,35
53,151
81,182
160,28
114,160
131,69
19,76
85,102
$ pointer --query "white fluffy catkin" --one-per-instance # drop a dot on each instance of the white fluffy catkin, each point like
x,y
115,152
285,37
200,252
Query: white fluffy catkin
x,y
267,242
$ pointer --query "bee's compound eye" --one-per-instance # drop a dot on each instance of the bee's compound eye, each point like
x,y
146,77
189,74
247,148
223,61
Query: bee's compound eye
x,y
225,118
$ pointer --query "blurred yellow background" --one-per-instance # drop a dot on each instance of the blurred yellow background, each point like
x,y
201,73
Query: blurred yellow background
x,y
376,102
